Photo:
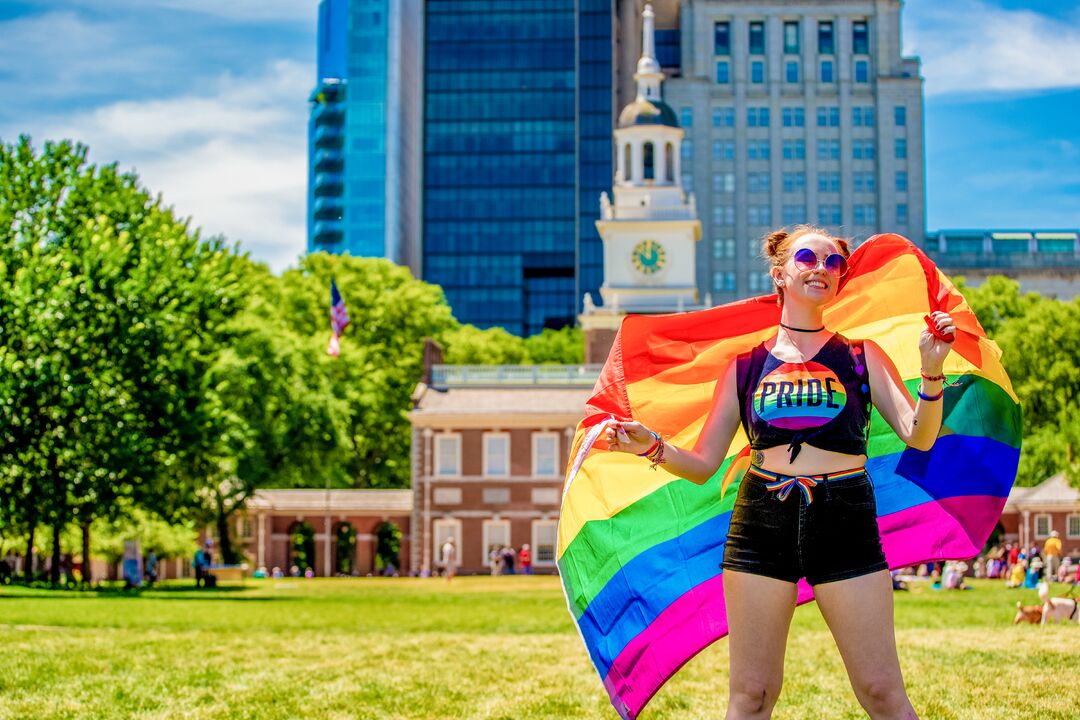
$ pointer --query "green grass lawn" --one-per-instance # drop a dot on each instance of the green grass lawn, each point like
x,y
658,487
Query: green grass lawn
x,y
477,648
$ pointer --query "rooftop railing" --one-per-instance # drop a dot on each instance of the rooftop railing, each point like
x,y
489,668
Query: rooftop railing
x,y
445,376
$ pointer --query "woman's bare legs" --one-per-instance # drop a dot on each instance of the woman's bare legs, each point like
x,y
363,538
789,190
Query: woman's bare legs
x,y
859,613
759,611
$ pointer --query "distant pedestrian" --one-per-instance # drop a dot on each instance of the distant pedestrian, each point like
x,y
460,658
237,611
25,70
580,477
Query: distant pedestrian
x,y
508,557
199,564
1052,553
151,568
525,558
495,561
450,559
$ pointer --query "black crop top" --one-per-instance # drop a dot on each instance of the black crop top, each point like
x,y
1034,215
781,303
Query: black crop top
x,y
824,401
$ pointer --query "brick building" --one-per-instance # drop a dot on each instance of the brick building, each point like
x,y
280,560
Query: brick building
x,y
490,444
1031,513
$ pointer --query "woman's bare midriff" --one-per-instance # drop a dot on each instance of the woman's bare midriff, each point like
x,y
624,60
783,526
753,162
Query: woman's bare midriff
x,y
811,460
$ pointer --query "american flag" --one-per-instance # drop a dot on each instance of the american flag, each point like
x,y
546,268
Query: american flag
x,y
339,319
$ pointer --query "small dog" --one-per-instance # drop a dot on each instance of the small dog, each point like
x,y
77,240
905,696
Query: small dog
x,y
1027,613
1058,609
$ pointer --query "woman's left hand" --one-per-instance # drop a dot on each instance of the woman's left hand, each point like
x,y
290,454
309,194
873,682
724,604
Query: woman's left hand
x,y
933,350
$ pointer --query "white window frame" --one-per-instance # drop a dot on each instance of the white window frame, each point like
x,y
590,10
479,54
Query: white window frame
x,y
486,535
455,531
488,437
436,453
539,495
454,492
536,437
1068,521
535,546
1049,525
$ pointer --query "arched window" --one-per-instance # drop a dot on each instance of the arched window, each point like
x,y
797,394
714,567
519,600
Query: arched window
x,y
650,170
345,549
301,547
628,164
669,163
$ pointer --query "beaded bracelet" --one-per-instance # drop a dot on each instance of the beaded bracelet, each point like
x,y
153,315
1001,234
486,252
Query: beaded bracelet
x,y
937,378
924,396
658,457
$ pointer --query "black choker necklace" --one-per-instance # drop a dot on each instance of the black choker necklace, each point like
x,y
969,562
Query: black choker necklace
x,y
788,327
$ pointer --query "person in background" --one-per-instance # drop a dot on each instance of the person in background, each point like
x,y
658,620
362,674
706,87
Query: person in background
x,y
450,560
508,557
1052,553
525,558
151,568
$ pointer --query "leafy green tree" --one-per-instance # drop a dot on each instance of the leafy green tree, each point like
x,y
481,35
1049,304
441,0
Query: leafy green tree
x,y
996,301
561,347
469,345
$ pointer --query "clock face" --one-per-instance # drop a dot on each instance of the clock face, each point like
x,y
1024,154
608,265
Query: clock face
x,y
649,257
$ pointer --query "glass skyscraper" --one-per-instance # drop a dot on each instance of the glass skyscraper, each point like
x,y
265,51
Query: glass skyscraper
x,y
361,140
517,149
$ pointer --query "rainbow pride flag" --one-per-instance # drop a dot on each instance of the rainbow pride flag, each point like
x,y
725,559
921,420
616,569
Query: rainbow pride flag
x,y
639,551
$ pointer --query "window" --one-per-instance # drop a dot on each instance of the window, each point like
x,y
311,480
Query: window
x,y
900,116
864,181
901,180
442,529
757,38
447,496
496,535
722,38
794,182
723,281
757,72
791,37
901,213
759,282
826,71
686,117
829,214
686,149
545,496
862,116
723,117
791,71
828,149
828,116
794,215
724,248
723,182
723,72
496,454
723,214
545,452
448,455
794,149
901,148
544,534
757,116
862,149
826,44
753,248
1072,526
723,150
860,38
757,150
862,71
794,117
828,182
865,214
1042,526
688,180
759,215
757,182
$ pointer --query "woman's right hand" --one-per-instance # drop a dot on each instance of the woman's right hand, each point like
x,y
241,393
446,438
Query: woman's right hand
x,y
634,438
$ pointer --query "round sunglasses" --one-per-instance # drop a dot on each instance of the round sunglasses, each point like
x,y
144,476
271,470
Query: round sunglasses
x,y
834,264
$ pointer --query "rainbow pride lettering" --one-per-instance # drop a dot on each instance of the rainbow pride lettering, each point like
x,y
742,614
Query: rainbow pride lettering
x,y
639,551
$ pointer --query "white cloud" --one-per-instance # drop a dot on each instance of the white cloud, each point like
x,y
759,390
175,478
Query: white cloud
x,y
972,46
234,159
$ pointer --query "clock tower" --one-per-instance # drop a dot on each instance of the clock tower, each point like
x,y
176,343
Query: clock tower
x,y
650,228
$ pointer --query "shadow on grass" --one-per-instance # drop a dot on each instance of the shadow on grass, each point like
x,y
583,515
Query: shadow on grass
x,y
227,593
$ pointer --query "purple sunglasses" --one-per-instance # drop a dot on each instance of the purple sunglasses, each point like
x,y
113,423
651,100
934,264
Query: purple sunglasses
x,y
834,264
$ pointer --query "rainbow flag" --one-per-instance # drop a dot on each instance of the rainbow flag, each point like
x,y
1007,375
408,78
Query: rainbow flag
x,y
639,551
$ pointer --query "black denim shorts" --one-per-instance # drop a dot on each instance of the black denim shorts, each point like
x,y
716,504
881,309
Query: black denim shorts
x,y
833,537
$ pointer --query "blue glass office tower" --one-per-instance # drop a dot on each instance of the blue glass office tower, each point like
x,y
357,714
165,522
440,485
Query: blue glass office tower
x,y
518,111
362,141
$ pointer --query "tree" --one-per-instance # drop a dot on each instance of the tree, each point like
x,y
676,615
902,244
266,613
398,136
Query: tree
x,y
469,345
561,347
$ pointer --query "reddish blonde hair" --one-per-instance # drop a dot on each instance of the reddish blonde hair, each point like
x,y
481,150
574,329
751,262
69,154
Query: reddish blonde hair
x,y
776,247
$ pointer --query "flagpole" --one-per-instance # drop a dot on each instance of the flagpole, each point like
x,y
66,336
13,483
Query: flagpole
x,y
339,319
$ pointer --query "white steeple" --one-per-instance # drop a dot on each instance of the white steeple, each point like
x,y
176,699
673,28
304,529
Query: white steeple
x,y
648,73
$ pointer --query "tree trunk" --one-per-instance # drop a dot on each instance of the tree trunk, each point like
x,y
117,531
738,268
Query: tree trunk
x,y
54,571
228,554
87,576
28,570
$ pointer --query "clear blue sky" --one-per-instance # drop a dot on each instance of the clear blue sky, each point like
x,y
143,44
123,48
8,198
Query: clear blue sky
x,y
208,101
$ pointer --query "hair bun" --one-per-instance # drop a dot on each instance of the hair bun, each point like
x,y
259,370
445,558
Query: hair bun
x,y
773,241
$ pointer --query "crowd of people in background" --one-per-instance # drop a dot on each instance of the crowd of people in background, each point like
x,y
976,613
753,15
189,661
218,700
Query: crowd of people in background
x,y
507,561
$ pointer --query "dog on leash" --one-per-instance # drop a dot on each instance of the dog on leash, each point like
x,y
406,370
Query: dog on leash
x,y
1028,613
1058,609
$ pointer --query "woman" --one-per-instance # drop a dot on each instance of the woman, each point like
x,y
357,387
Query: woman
x,y
806,507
